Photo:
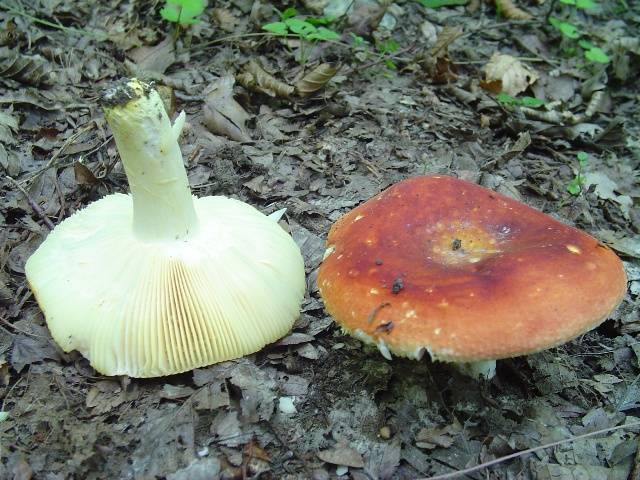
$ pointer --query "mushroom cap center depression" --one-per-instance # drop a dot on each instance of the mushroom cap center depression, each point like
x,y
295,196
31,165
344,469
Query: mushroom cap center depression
x,y
459,243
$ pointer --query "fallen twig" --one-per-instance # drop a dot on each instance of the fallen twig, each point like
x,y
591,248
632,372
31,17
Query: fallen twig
x,y
34,206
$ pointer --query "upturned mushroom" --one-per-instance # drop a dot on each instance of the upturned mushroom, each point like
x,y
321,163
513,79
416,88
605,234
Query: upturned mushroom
x,y
440,265
159,282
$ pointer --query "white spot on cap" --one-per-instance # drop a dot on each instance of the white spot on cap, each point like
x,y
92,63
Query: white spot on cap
x,y
574,249
410,314
359,217
437,331
374,291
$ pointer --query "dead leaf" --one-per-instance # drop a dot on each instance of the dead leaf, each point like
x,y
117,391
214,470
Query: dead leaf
x,y
255,78
29,69
83,175
509,74
222,114
605,189
436,62
511,11
316,79
224,19
28,349
154,59
430,438
342,454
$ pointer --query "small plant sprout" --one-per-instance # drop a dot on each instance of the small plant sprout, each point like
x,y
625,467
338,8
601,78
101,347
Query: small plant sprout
x,y
574,187
592,53
306,29
159,282
183,12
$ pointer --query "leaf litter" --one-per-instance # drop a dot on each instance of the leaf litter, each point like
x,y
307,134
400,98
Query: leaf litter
x,y
318,141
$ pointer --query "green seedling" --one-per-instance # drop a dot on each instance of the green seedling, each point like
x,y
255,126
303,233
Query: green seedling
x,y
581,4
574,187
386,47
442,3
182,12
530,102
307,29
592,53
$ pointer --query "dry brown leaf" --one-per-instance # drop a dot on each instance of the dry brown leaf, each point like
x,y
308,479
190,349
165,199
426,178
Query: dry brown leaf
x,y
511,11
316,79
83,175
154,59
28,69
224,19
430,438
255,78
222,114
507,74
436,62
342,454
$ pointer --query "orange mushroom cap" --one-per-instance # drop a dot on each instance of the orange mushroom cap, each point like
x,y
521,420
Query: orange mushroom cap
x,y
443,265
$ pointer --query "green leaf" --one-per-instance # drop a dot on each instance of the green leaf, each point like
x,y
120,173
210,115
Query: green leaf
x,y
582,158
357,40
170,13
586,4
182,11
442,3
288,13
301,27
388,46
567,29
531,102
574,187
507,99
586,44
279,28
390,64
323,34
597,55
319,20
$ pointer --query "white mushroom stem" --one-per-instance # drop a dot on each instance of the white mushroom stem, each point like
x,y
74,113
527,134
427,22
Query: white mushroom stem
x,y
148,144
486,369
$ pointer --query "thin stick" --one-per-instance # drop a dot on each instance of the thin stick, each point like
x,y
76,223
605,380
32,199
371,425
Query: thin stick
x,y
491,463
36,208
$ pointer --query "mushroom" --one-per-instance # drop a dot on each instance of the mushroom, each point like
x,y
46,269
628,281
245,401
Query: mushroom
x,y
160,282
442,265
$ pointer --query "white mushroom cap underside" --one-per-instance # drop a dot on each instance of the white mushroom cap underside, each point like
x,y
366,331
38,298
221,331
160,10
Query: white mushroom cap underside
x,y
152,309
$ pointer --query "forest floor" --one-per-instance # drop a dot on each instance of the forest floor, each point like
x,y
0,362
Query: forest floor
x,y
410,97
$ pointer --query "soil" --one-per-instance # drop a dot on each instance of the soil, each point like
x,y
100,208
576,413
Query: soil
x,y
418,105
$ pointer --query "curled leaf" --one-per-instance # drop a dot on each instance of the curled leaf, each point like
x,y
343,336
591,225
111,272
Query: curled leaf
x,y
511,11
29,69
255,78
316,79
507,74
222,114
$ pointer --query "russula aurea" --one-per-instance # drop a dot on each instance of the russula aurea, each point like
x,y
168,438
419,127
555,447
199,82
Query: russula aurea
x,y
159,282
445,266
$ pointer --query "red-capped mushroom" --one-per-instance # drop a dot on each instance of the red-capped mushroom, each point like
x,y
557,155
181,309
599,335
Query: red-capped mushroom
x,y
445,266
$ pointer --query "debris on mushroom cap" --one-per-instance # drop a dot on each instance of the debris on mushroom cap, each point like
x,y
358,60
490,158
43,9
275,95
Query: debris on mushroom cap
x,y
159,282
445,266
